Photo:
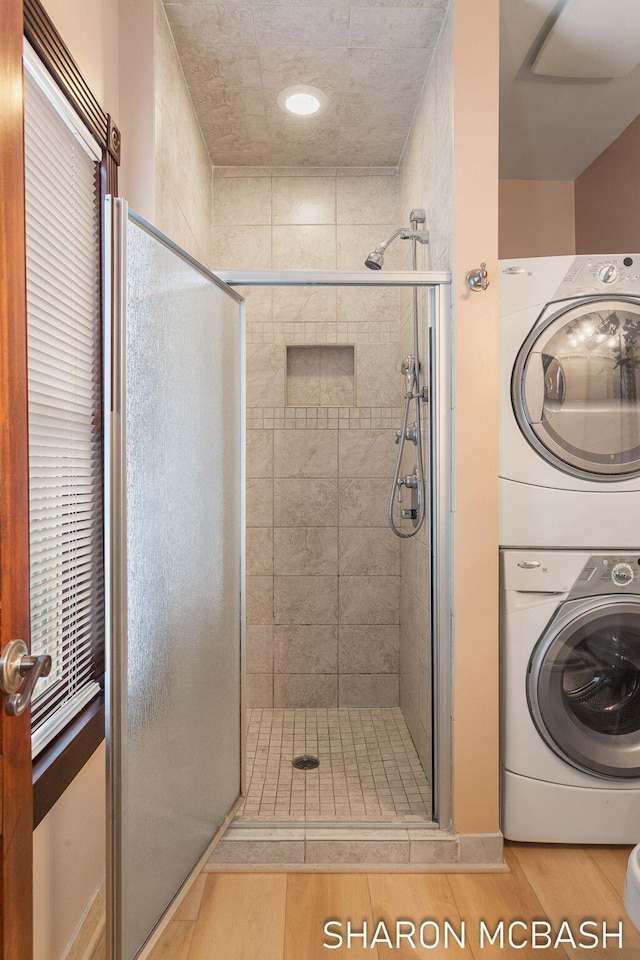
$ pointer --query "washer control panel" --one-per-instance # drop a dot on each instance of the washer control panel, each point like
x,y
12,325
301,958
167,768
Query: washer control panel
x,y
608,573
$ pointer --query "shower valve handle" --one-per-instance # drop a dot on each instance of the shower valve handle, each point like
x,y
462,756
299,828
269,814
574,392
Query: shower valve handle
x,y
410,482
411,433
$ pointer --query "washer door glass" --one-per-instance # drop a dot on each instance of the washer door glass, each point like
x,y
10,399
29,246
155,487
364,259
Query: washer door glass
x,y
576,389
584,687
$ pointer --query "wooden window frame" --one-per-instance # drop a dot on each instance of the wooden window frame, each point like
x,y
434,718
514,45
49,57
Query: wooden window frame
x,y
61,761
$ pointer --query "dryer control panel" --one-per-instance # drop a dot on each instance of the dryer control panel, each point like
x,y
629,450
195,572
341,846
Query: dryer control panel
x,y
591,275
622,574
608,573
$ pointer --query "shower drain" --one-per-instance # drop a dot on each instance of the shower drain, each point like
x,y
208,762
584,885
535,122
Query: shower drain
x,y
306,762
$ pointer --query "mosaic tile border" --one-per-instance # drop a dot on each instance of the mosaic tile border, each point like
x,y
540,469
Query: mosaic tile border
x,y
318,332
323,418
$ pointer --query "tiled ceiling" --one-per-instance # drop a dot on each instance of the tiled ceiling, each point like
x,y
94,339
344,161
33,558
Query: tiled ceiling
x,y
371,61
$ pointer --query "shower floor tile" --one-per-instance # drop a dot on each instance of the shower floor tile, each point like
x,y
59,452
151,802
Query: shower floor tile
x,y
369,769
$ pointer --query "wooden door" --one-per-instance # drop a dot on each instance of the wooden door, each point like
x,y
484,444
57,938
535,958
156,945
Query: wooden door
x,y
16,818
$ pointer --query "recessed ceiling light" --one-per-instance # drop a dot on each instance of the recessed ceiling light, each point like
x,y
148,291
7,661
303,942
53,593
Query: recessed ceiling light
x,y
302,104
302,100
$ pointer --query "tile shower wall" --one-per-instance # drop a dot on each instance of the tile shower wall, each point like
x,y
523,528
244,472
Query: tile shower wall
x,y
425,180
182,195
323,588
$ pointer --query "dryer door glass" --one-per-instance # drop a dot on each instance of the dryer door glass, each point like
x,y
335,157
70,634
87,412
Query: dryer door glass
x,y
584,687
576,389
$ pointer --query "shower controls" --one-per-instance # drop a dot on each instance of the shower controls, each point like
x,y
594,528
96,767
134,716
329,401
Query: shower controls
x,y
411,433
413,483
410,482
414,391
608,273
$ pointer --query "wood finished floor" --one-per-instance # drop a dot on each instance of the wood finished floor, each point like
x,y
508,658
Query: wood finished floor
x,y
273,916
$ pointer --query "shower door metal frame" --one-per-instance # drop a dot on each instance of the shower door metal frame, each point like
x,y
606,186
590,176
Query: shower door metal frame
x,y
117,216
440,474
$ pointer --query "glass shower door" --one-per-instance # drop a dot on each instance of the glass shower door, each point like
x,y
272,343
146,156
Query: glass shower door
x,y
176,580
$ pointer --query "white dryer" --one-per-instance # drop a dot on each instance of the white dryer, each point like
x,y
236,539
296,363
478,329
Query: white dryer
x,y
570,696
570,402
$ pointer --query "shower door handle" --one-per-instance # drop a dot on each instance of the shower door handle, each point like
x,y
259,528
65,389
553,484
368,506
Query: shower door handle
x,y
15,665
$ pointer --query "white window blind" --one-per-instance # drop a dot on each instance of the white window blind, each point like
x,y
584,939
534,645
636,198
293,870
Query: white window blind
x,y
65,417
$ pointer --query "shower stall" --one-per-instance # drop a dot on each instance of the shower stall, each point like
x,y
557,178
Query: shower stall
x,y
342,524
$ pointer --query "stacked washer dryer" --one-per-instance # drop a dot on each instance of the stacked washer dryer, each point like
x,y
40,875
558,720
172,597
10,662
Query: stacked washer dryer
x,y
570,557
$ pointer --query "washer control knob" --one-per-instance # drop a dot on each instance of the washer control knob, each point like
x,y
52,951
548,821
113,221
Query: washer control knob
x,y
608,273
622,574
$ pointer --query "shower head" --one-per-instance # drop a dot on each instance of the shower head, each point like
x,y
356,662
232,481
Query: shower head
x,y
375,260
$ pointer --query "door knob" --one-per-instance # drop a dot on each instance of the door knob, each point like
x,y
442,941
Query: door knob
x,y
15,665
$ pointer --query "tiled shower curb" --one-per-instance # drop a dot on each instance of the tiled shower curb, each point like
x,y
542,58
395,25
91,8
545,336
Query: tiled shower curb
x,y
276,846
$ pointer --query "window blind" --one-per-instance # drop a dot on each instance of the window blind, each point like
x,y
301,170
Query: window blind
x,y
65,417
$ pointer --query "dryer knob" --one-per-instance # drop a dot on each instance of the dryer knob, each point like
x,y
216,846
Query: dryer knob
x,y
607,273
622,574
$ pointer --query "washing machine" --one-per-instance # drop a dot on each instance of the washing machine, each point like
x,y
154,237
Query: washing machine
x,y
570,696
570,402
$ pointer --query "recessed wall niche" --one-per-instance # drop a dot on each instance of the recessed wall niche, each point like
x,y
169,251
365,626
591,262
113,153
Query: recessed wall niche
x,y
320,376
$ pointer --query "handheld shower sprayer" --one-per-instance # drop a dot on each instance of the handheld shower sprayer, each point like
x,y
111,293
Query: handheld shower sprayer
x,y
409,371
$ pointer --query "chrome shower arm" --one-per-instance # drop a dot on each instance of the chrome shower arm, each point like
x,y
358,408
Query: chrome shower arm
x,y
422,236
385,243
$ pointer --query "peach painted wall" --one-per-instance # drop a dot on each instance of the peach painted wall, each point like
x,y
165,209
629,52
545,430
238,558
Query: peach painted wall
x,y
68,855
136,117
608,198
90,30
475,654
537,218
